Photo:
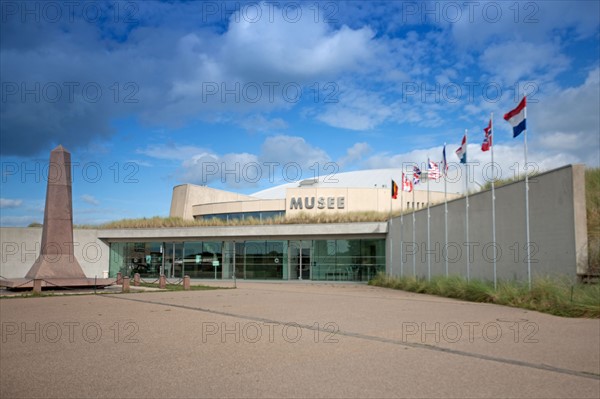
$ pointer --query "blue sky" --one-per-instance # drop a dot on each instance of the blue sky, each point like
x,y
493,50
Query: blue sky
x,y
246,95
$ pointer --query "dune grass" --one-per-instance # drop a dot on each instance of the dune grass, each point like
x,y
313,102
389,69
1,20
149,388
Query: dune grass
x,y
302,218
592,193
557,297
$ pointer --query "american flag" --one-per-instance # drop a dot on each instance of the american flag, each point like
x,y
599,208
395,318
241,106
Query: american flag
x,y
433,170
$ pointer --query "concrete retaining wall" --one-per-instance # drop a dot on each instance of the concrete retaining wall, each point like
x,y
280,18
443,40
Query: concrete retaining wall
x,y
20,248
558,232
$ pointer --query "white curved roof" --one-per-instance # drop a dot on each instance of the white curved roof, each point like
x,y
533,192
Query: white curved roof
x,y
371,178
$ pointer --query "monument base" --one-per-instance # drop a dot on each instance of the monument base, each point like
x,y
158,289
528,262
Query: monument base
x,y
56,283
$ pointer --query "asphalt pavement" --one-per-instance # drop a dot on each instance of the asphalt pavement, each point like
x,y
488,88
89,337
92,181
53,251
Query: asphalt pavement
x,y
291,340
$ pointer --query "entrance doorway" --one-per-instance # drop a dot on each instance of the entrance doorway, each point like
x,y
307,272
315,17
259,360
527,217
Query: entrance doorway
x,y
300,256
173,260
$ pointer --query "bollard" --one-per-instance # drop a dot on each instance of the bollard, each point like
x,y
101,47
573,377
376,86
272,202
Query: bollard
x,y
126,284
37,286
136,279
186,283
119,278
162,282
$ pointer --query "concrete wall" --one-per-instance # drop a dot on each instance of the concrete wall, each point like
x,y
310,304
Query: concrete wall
x,y
20,247
185,196
558,232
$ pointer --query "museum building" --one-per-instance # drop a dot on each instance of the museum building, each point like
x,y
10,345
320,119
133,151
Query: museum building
x,y
335,252
434,241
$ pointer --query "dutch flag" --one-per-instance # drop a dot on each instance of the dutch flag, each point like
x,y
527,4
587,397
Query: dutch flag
x,y
517,117
461,152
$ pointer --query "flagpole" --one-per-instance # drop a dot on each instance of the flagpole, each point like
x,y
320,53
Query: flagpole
x,y
467,205
491,142
401,224
428,228
527,204
445,209
414,235
390,231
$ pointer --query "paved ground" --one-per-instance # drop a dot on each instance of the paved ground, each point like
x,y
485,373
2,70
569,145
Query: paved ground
x,y
291,340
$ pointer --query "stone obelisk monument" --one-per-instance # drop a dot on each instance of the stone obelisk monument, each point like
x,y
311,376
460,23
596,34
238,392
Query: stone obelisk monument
x,y
57,267
57,259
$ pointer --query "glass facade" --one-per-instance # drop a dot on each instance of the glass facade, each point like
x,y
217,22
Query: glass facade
x,y
262,215
321,260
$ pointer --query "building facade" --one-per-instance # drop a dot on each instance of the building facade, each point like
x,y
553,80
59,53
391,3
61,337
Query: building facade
x,y
414,244
352,192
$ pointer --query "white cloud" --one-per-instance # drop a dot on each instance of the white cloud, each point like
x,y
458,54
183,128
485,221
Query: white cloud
x,y
293,51
535,21
10,203
355,154
566,121
235,170
258,66
139,162
90,199
171,151
509,62
242,170
287,149
356,110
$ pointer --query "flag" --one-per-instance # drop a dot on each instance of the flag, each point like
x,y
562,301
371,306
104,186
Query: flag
x,y
416,175
394,190
516,117
444,161
462,150
433,171
487,140
406,184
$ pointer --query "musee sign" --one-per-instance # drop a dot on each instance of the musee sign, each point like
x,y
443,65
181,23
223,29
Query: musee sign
x,y
320,202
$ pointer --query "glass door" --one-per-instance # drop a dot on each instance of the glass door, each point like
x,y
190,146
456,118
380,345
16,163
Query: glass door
x,y
173,259
300,260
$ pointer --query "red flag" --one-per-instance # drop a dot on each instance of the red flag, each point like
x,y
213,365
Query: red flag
x,y
406,184
487,140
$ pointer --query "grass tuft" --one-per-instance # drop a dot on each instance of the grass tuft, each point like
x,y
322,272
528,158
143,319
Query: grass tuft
x,y
302,218
592,193
557,297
